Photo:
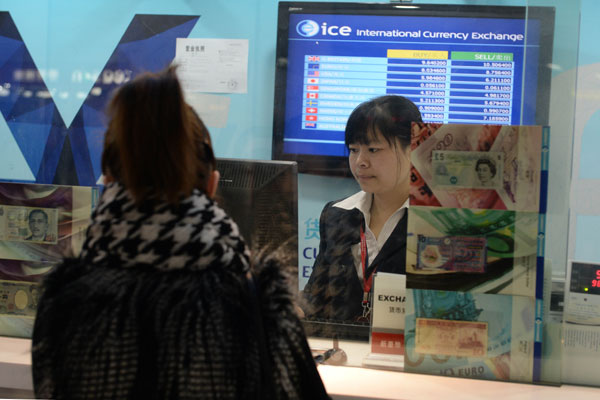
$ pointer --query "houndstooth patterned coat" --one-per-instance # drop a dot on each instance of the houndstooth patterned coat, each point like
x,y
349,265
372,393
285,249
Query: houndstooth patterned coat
x,y
159,306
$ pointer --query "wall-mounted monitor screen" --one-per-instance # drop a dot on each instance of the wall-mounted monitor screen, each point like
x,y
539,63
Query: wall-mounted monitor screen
x,y
459,64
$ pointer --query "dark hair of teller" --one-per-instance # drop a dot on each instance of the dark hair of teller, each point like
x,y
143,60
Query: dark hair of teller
x,y
155,145
390,116
487,162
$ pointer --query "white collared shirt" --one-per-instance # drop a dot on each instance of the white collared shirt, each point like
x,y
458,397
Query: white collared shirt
x,y
362,202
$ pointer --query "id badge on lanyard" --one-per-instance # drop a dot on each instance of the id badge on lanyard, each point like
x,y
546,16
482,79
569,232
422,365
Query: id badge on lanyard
x,y
364,260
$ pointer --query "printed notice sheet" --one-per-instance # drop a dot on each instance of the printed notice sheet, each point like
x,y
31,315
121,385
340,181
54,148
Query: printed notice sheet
x,y
213,65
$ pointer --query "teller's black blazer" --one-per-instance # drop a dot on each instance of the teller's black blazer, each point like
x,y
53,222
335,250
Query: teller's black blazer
x,y
334,291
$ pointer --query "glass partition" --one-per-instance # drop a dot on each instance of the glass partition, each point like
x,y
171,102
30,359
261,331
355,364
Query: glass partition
x,y
55,87
539,70
40,224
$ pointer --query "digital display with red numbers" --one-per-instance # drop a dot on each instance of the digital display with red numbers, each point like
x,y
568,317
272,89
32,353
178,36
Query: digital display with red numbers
x,y
585,278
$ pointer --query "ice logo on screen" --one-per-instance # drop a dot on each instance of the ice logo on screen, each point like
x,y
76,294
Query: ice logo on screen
x,y
307,28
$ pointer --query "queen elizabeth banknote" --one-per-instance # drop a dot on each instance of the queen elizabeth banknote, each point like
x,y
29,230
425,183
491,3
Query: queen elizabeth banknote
x,y
484,336
477,166
467,169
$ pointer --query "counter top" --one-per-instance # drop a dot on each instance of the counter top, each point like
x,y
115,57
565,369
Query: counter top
x,y
344,382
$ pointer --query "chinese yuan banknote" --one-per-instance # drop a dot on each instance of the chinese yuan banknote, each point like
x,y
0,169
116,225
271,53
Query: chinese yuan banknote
x,y
451,338
477,166
486,336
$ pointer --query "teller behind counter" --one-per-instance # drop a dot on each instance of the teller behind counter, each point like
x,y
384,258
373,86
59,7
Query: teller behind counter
x,y
366,232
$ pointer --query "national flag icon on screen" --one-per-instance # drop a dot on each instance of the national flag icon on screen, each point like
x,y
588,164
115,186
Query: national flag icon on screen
x,y
311,118
313,58
313,80
312,72
311,125
311,103
311,110
312,88
313,66
312,95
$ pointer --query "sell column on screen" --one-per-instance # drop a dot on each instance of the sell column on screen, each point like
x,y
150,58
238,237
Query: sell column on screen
x,y
482,86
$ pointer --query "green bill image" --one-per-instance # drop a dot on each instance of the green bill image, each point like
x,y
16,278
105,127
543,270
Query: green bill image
x,y
510,239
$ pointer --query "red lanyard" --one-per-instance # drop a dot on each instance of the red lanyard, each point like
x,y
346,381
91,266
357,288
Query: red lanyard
x,y
364,261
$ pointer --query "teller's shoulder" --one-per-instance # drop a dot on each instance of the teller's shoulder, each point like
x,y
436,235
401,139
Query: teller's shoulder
x,y
348,203
335,206
334,213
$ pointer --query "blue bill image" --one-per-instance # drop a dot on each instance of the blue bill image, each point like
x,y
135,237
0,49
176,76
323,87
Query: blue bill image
x,y
509,322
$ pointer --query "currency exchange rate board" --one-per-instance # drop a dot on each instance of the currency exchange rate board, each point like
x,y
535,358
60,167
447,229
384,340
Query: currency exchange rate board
x,y
448,87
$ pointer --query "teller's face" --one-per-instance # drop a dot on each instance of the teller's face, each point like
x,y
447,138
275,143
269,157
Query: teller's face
x,y
379,167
